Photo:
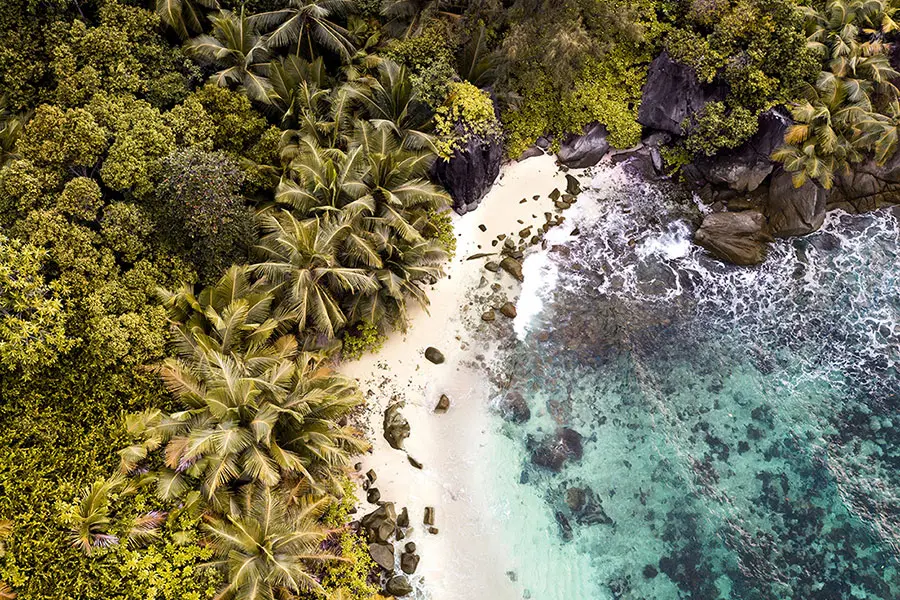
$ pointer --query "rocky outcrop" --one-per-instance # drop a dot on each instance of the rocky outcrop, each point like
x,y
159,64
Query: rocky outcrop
x,y
736,237
555,450
380,524
470,172
513,407
671,96
586,150
868,186
794,211
396,427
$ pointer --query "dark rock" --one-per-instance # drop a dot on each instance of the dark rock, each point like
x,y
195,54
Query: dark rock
x,y
508,310
554,450
868,186
587,507
586,150
373,496
488,315
739,238
514,408
513,267
398,586
671,95
409,562
433,530
555,194
637,162
744,168
492,266
479,255
434,355
443,404
416,464
794,211
403,518
429,515
565,528
530,153
371,476
576,498
383,555
410,547
396,427
379,525
573,186
650,571
543,142
656,160
470,172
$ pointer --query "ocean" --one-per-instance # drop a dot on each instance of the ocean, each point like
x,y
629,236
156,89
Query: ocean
x,y
728,432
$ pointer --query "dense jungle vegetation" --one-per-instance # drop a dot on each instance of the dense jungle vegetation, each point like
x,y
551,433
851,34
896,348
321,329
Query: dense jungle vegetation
x,y
203,201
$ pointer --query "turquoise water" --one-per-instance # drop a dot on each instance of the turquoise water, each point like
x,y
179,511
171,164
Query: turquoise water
x,y
739,426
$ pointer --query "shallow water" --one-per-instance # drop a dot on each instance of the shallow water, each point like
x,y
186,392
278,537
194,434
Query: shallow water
x,y
739,425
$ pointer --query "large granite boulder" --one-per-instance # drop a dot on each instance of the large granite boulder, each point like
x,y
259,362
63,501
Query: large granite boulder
x,y
470,172
586,150
736,237
396,427
672,94
744,168
794,211
868,186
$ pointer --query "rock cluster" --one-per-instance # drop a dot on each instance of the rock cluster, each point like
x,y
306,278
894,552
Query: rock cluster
x,y
396,427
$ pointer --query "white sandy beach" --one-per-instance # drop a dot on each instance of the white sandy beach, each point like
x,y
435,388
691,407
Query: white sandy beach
x,y
465,560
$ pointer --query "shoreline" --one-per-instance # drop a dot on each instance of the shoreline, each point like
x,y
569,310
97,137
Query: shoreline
x,y
465,559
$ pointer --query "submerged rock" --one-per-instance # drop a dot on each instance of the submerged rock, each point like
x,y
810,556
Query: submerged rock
x,y
586,150
396,427
514,408
553,451
739,238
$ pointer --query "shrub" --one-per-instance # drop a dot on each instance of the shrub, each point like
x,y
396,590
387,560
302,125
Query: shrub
x,y
466,113
352,575
81,198
366,338
125,228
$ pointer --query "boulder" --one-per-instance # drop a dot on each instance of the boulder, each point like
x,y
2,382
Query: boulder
x,y
443,404
396,427
488,316
514,408
744,168
513,267
553,451
671,95
380,524
410,547
585,150
737,237
429,515
409,562
508,310
398,586
794,211
530,152
373,496
470,172
383,555
403,521
573,186
868,186
434,355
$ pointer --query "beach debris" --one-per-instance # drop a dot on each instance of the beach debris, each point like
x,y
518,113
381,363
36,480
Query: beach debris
x,y
396,427
409,562
443,404
480,255
553,451
398,586
413,462
488,315
508,310
572,185
403,521
434,355
513,267
373,496
383,555
514,408
371,476
429,515
492,266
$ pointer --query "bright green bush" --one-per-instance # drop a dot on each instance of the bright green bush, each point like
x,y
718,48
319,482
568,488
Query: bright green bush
x,y
81,198
353,575
429,58
466,113
717,128
365,338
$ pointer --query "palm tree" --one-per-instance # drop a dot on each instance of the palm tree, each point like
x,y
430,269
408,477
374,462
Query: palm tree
x,y
299,90
396,182
323,180
307,25
390,100
184,15
407,18
234,49
90,521
303,256
265,552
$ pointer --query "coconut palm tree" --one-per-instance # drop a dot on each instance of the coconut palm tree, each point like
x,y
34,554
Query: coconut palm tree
x,y
390,100
184,16
303,256
307,26
407,18
323,181
299,89
234,49
267,553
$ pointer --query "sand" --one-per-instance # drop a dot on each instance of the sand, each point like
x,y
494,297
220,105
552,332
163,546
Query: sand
x,y
466,560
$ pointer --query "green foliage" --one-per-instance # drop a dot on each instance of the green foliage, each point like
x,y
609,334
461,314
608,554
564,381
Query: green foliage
x,y
81,198
440,229
32,319
365,338
353,574
467,113
717,128
57,138
429,58
125,228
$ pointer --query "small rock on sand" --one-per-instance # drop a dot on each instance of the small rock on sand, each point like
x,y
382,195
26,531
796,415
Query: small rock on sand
x,y
443,404
513,267
434,355
429,515
508,310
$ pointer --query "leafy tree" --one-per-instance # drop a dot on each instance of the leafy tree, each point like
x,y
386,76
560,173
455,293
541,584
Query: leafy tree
x,y
32,319
306,26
